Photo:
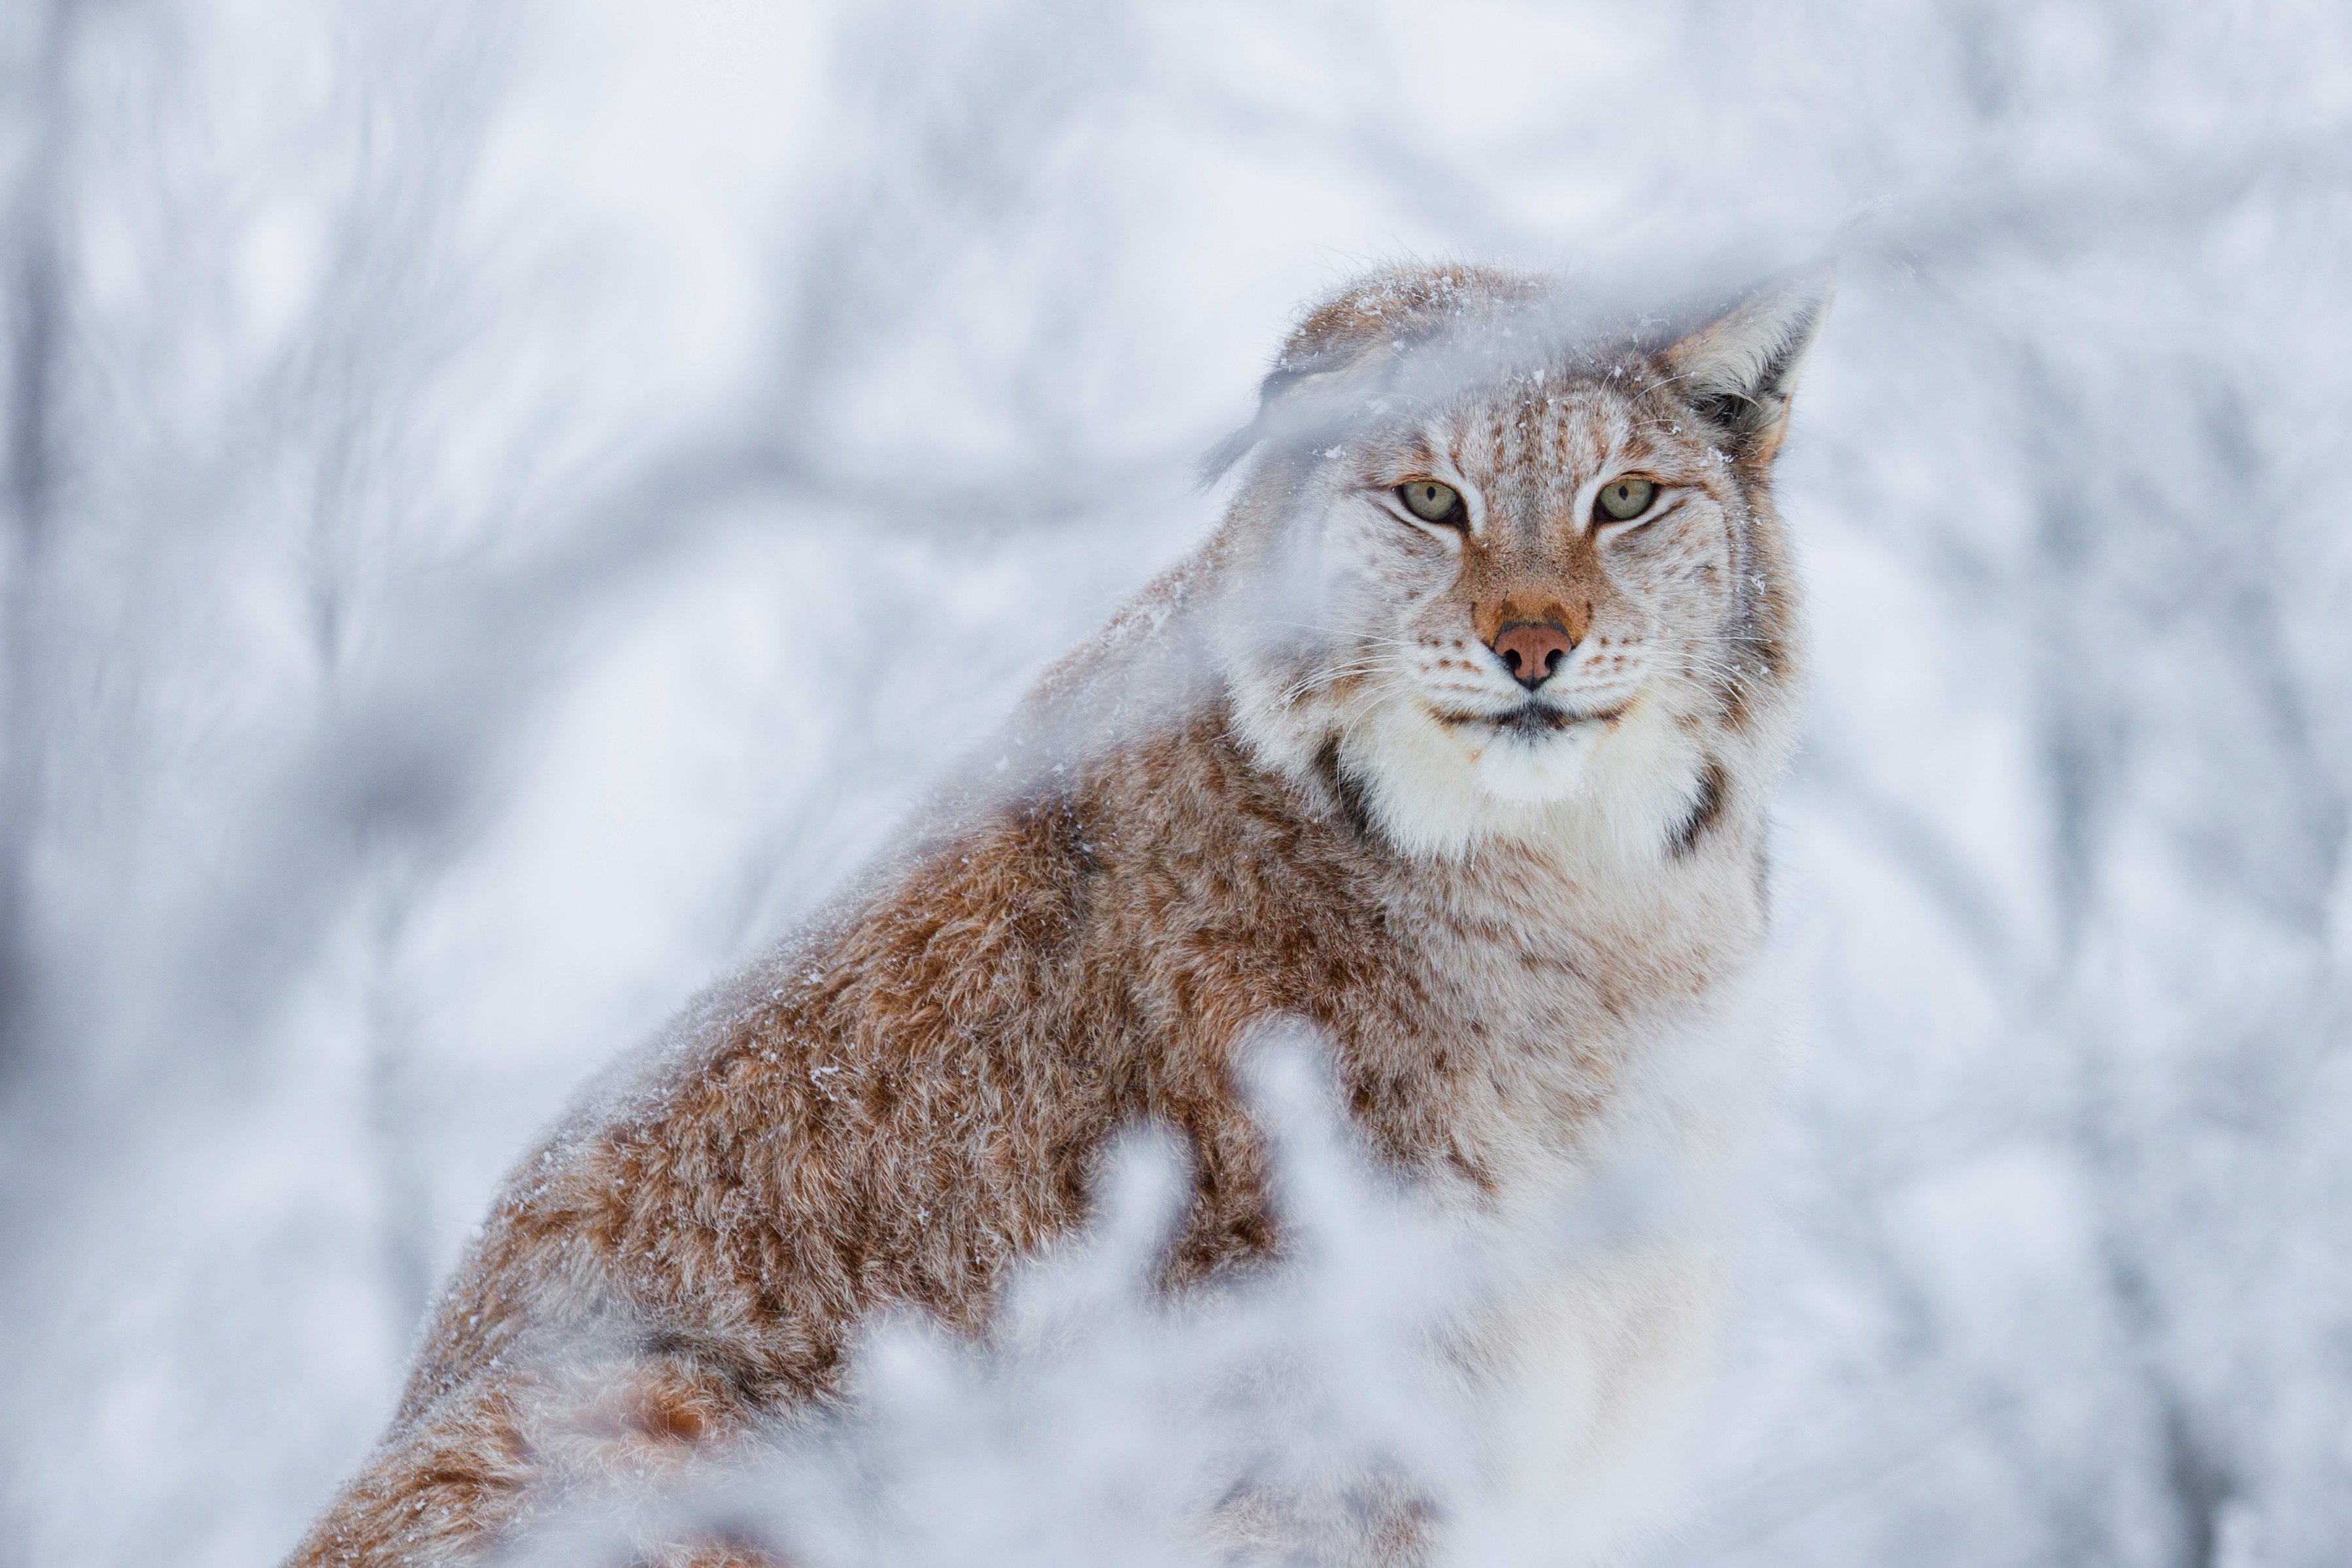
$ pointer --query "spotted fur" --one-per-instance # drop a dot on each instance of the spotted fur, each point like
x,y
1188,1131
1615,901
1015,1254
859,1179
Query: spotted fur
x,y
1292,779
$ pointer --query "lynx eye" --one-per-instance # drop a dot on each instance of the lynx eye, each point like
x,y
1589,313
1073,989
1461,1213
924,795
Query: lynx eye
x,y
1431,502
1623,501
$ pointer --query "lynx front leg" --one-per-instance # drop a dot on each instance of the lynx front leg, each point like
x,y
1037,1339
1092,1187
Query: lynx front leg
x,y
513,1459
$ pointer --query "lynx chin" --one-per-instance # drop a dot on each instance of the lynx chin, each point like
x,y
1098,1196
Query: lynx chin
x,y
1454,741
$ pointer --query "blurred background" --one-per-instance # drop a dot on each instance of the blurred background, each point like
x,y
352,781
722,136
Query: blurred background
x,y
504,507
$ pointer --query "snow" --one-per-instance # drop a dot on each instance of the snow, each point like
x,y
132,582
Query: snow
x,y
545,495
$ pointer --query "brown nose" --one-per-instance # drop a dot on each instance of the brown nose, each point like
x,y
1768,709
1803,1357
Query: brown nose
x,y
1532,649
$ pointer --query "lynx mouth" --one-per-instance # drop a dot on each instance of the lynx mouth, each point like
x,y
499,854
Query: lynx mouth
x,y
1532,719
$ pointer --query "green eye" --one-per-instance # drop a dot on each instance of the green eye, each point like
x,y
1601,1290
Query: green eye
x,y
1431,502
1623,501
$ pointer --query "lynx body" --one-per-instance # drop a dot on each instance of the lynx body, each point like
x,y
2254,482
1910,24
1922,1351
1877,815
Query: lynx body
x,y
1453,741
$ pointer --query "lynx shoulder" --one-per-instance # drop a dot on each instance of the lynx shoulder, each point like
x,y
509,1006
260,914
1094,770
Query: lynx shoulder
x,y
1454,739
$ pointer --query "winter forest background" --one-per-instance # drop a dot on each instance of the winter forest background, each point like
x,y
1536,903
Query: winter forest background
x,y
503,507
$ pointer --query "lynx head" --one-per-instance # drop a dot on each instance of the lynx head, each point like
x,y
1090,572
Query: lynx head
x,y
1500,574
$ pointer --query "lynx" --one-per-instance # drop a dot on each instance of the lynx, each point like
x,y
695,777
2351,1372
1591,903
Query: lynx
x,y
1453,741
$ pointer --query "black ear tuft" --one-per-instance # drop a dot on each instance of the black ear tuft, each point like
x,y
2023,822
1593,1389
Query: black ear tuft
x,y
1738,370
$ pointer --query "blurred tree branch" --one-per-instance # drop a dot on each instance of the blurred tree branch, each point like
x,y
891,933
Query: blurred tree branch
x,y
37,325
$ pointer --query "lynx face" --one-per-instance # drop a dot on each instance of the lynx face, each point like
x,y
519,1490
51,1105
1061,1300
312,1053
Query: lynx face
x,y
1521,596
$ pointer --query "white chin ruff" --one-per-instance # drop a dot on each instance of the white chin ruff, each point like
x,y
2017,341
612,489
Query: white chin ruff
x,y
1524,769
1619,787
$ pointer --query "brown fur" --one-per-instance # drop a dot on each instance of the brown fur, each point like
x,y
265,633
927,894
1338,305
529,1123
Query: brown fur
x,y
905,1102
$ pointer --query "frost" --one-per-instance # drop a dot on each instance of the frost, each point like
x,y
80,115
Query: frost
x,y
503,518
1102,1422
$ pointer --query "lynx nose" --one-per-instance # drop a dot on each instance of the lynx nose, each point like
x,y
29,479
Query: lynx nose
x,y
1532,649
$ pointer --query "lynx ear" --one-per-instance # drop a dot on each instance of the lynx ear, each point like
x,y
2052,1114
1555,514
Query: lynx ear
x,y
1738,370
1305,400
1347,348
